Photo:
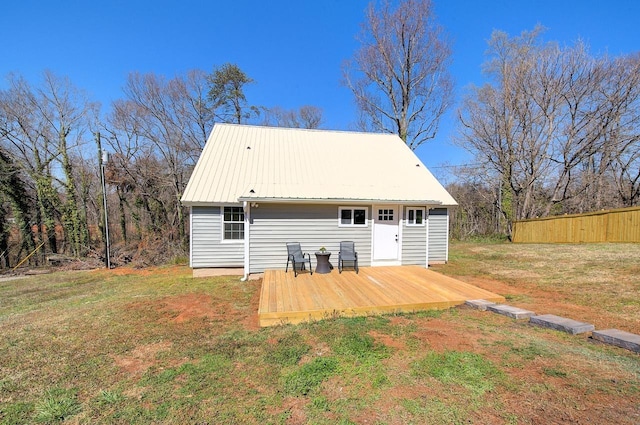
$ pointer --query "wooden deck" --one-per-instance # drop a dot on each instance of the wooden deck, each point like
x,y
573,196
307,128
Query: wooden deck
x,y
375,290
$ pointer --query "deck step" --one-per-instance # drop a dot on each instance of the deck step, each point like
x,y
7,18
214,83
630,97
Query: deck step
x,y
479,304
618,338
510,311
561,324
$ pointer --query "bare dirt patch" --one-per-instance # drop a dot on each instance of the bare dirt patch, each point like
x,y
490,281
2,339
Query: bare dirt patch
x,y
294,408
197,305
186,307
252,321
388,340
141,358
439,335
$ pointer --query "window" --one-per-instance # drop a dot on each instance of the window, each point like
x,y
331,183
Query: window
x,y
233,223
352,217
385,215
415,217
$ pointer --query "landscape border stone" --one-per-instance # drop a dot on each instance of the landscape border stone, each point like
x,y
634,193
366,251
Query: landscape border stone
x,y
561,324
510,311
618,338
479,304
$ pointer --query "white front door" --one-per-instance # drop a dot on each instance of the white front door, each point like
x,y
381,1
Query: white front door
x,y
385,233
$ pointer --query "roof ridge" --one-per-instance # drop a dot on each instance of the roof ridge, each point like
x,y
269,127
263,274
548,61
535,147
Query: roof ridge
x,y
323,130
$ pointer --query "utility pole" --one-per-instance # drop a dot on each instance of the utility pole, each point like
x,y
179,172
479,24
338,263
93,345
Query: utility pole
x,y
103,158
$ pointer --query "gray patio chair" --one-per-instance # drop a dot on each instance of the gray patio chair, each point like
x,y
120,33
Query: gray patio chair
x,y
297,258
347,253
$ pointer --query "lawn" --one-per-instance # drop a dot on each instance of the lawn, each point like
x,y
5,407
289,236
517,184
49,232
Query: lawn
x,y
156,346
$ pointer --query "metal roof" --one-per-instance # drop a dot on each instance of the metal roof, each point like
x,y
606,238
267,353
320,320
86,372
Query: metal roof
x,y
252,163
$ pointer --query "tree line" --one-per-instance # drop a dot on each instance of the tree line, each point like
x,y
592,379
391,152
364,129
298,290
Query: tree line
x,y
51,141
554,130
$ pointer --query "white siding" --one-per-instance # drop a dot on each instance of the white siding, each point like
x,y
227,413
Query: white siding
x,y
414,244
314,226
438,235
207,250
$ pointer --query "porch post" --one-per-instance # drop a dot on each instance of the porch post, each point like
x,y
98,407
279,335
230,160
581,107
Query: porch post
x,y
426,225
446,255
247,230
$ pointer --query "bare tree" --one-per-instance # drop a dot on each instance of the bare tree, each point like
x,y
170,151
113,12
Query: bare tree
x,y
26,138
551,123
43,129
157,133
306,116
14,190
65,111
477,213
623,134
400,76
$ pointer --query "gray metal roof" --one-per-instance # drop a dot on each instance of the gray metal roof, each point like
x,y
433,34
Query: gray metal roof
x,y
242,163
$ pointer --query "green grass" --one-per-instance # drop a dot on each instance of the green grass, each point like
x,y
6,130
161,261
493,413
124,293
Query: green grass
x,y
288,351
107,347
434,410
310,375
468,370
552,371
57,405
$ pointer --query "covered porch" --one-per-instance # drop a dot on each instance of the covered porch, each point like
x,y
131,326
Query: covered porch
x,y
375,290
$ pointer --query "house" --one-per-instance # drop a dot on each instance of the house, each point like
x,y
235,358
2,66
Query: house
x,y
256,188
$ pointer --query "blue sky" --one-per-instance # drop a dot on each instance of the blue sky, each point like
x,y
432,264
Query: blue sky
x,y
293,49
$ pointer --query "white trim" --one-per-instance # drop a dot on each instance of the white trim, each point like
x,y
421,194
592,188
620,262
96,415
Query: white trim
x,y
446,239
191,237
426,219
247,217
414,224
370,221
400,226
380,263
281,200
222,223
353,208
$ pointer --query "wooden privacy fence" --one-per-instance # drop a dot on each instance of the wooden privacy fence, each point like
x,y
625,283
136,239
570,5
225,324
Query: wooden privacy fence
x,y
620,225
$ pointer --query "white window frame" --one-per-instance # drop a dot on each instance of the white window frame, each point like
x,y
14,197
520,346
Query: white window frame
x,y
223,222
385,214
352,209
412,223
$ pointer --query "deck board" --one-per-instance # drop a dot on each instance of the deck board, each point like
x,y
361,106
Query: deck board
x,y
375,290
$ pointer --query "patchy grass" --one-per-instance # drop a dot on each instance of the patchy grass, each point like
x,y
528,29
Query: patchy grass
x,y
156,346
310,375
468,370
606,276
56,406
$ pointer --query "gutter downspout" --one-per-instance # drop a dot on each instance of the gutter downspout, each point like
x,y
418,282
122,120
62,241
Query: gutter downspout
x,y
247,215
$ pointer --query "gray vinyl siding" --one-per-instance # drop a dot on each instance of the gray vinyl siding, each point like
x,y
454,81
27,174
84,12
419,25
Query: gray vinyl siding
x,y
438,235
314,226
207,250
414,244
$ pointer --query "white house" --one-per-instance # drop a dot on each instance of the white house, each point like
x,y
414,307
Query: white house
x,y
256,188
